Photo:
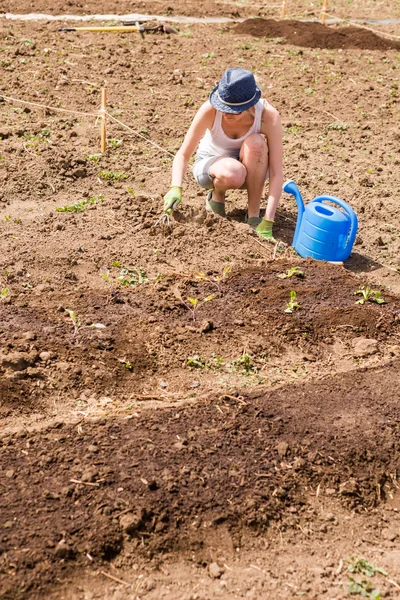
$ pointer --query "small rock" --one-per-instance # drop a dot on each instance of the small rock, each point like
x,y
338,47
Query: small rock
x,y
29,336
282,448
131,522
364,346
195,384
63,550
215,570
10,473
206,326
45,355
93,448
349,488
163,384
89,475
389,534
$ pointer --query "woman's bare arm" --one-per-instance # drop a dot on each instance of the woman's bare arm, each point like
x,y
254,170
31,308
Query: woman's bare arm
x,y
202,121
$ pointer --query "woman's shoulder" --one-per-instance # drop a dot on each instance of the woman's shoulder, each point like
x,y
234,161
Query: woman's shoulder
x,y
270,113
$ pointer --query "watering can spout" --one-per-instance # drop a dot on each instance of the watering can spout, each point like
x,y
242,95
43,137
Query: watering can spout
x,y
291,188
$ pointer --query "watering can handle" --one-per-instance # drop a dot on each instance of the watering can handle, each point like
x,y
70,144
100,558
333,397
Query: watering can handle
x,y
350,212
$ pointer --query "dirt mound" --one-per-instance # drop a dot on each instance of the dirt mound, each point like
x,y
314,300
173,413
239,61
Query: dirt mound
x,y
316,35
170,478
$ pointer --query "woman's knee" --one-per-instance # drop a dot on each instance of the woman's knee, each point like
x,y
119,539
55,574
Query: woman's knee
x,y
255,144
232,174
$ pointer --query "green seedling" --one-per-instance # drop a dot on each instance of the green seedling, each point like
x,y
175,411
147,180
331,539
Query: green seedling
x,y
293,272
4,293
77,323
105,274
132,276
292,304
192,304
338,126
362,566
369,295
114,143
244,364
75,320
195,362
113,176
95,157
363,588
80,206
217,280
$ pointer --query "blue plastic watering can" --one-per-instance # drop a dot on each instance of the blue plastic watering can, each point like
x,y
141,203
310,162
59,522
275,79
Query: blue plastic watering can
x,y
322,231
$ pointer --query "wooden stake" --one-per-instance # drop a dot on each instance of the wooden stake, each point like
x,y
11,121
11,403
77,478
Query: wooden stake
x,y
323,13
103,139
283,13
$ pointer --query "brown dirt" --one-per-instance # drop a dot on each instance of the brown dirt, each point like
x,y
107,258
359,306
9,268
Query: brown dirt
x,y
243,452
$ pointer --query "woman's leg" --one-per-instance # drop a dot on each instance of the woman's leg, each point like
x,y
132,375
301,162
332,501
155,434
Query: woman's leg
x,y
227,174
254,157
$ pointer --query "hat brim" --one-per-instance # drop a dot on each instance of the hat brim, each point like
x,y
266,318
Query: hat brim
x,y
220,105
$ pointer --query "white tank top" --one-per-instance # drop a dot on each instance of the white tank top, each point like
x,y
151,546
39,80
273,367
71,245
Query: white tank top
x,y
215,142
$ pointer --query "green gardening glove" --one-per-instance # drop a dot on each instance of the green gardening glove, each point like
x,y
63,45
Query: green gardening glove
x,y
264,230
172,199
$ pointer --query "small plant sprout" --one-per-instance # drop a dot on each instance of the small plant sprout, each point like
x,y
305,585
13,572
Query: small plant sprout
x,y
360,565
114,143
195,362
292,304
77,323
132,276
80,206
217,280
293,272
192,304
369,295
4,293
75,320
113,176
244,364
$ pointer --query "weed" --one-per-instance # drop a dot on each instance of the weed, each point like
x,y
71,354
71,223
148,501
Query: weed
x,y
4,293
292,304
244,364
363,588
360,565
195,362
114,143
113,176
95,157
338,126
294,271
369,295
80,206
132,276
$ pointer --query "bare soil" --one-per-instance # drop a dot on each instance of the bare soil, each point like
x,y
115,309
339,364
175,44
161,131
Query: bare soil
x,y
150,450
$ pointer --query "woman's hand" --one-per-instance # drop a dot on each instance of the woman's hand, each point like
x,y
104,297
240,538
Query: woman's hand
x,y
172,199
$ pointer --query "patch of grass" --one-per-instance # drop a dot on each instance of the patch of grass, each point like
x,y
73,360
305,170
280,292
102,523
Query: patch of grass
x,y
80,206
338,126
113,176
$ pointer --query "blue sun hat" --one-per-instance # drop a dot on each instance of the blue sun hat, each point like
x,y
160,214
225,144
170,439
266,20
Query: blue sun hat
x,y
237,91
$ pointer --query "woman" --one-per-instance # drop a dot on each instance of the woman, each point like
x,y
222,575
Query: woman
x,y
239,139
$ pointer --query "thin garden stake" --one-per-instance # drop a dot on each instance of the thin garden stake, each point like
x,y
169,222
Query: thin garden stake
x,y
103,140
323,12
283,13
